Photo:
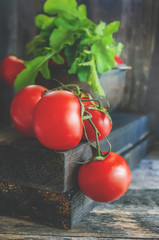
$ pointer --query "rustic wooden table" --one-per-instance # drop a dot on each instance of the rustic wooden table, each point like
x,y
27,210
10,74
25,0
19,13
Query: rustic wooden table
x,y
134,216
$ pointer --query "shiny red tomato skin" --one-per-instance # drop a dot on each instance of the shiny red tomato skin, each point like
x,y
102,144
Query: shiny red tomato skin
x,y
22,108
102,123
10,67
118,60
57,120
105,181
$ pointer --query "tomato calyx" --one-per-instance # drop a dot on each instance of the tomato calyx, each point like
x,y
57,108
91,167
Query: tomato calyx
x,y
46,92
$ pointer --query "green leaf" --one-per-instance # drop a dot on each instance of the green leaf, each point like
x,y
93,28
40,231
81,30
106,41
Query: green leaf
x,y
44,22
80,69
37,46
88,47
58,59
70,54
119,48
44,70
116,47
104,57
63,23
82,11
61,6
93,80
83,73
65,8
100,27
61,37
112,27
27,76
74,67
88,70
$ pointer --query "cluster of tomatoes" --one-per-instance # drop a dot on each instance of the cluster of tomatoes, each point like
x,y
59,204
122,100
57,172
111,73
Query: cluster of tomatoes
x,y
60,119
56,118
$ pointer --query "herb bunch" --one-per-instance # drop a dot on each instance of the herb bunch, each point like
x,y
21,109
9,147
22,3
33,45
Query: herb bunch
x,y
89,48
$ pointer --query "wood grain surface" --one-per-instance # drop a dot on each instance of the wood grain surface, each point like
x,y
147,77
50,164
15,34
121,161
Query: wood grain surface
x,y
134,216
62,210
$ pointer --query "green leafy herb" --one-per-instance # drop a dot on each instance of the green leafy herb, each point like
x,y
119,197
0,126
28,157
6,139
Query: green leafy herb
x,y
89,48
27,76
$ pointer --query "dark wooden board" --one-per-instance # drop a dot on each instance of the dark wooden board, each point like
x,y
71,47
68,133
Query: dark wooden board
x,y
26,162
138,151
61,210
128,129
134,216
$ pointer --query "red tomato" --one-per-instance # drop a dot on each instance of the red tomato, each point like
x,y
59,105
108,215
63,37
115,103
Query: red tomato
x,y
107,180
22,108
10,67
57,120
101,122
118,60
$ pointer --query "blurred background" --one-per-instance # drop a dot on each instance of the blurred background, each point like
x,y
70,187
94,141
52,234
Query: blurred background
x,y
139,32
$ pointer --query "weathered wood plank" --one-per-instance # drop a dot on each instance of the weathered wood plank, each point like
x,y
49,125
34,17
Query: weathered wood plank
x,y
128,129
138,151
137,31
134,216
61,210
28,163
8,30
57,209
125,220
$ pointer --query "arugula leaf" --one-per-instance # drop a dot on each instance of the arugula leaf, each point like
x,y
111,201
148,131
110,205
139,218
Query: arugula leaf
x,y
74,66
70,53
44,22
61,7
119,48
43,69
116,47
88,47
83,73
60,37
93,79
112,27
58,59
85,68
104,56
65,8
37,46
28,75
82,11
100,27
